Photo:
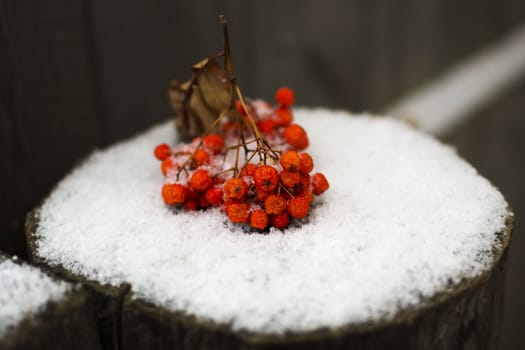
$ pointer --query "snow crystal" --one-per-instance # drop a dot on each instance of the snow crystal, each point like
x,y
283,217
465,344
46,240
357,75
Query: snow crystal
x,y
403,217
24,291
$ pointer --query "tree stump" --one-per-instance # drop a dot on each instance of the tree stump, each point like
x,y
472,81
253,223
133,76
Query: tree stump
x,y
64,323
439,285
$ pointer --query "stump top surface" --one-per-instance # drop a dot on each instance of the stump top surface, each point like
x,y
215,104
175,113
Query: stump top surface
x,y
405,219
24,290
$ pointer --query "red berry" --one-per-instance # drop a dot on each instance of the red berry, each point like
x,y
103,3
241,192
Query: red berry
x,y
289,179
283,117
248,169
307,163
304,184
215,196
235,188
174,193
290,161
191,205
239,107
259,219
285,96
203,202
280,220
191,194
229,126
213,142
266,126
200,157
319,183
287,195
200,180
307,193
275,204
238,212
166,165
262,195
298,207
296,136
162,151
266,178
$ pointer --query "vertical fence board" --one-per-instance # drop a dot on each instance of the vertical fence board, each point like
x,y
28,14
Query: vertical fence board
x,y
48,106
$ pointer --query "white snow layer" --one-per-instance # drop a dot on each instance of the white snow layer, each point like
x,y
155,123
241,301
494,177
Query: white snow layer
x,y
24,291
403,218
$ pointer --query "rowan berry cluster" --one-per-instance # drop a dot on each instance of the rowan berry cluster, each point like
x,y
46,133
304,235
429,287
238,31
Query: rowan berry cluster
x,y
254,169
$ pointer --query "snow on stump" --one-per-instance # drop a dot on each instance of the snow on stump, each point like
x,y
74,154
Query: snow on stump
x,y
407,249
39,312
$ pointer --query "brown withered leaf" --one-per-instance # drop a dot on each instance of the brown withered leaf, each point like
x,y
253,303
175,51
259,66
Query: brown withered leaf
x,y
200,100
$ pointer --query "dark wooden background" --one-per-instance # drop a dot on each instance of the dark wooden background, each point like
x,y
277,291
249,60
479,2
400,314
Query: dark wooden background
x,y
80,74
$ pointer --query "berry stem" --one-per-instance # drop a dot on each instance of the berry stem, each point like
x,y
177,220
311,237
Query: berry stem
x,y
187,161
226,38
263,148
193,82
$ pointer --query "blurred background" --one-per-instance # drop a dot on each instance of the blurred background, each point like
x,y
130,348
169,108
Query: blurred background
x,y
76,75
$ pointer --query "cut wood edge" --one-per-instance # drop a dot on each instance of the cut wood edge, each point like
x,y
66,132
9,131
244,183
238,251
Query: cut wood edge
x,y
120,310
485,291
107,298
66,323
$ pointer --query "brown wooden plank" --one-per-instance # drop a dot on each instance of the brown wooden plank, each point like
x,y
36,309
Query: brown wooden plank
x,y
49,104
467,318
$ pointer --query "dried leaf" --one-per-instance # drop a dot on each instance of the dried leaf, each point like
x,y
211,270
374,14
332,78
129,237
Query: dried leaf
x,y
200,100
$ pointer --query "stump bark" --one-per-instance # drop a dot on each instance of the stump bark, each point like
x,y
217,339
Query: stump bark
x,y
68,323
465,316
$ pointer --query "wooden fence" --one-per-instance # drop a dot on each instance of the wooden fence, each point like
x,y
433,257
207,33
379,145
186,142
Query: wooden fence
x,y
80,74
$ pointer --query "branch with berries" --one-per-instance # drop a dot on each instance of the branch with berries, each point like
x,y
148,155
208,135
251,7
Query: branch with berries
x,y
249,161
